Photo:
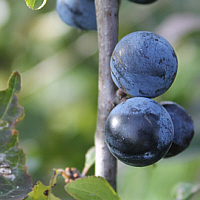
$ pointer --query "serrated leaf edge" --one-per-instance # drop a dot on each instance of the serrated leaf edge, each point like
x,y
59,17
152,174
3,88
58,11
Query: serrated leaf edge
x,y
13,93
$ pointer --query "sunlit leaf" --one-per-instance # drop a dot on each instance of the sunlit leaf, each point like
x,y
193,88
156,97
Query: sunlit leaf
x,y
185,191
42,192
92,188
14,180
36,4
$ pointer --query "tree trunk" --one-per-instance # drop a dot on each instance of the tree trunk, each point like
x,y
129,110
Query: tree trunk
x,y
107,25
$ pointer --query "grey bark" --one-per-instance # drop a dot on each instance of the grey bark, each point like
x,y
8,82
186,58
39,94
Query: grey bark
x,y
107,25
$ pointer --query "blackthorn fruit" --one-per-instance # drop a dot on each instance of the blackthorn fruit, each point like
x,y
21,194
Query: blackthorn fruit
x,y
143,64
143,1
139,131
183,128
77,13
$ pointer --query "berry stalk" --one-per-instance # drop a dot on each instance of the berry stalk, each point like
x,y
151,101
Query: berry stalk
x,y
107,27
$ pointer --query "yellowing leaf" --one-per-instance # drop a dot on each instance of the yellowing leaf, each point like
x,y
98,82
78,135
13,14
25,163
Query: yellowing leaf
x,y
36,4
42,192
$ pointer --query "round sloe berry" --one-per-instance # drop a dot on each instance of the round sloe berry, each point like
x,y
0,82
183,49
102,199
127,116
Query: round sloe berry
x,y
77,13
183,128
143,64
139,131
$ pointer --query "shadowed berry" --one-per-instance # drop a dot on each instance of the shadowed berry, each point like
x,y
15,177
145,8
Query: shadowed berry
x,y
183,128
143,1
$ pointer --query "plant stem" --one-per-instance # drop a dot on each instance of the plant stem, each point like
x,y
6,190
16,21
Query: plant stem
x,y
107,25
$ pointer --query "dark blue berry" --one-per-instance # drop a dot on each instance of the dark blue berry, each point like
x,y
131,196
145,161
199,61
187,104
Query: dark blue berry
x,y
143,64
183,128
143,1
78,13
139,131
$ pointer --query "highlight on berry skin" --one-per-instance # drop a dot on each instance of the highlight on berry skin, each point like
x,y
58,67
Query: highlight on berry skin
x,y
139,131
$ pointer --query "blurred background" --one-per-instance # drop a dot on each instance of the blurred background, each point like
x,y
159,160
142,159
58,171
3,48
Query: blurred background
x,y
59,68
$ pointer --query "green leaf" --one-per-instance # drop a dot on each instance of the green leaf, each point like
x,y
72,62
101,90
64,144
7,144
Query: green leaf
x,y
53,180
36,4
14,180
89,160
92,188
42,192
185,191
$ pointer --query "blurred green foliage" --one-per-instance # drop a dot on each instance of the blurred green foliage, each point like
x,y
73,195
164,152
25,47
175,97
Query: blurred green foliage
x,y
59,68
